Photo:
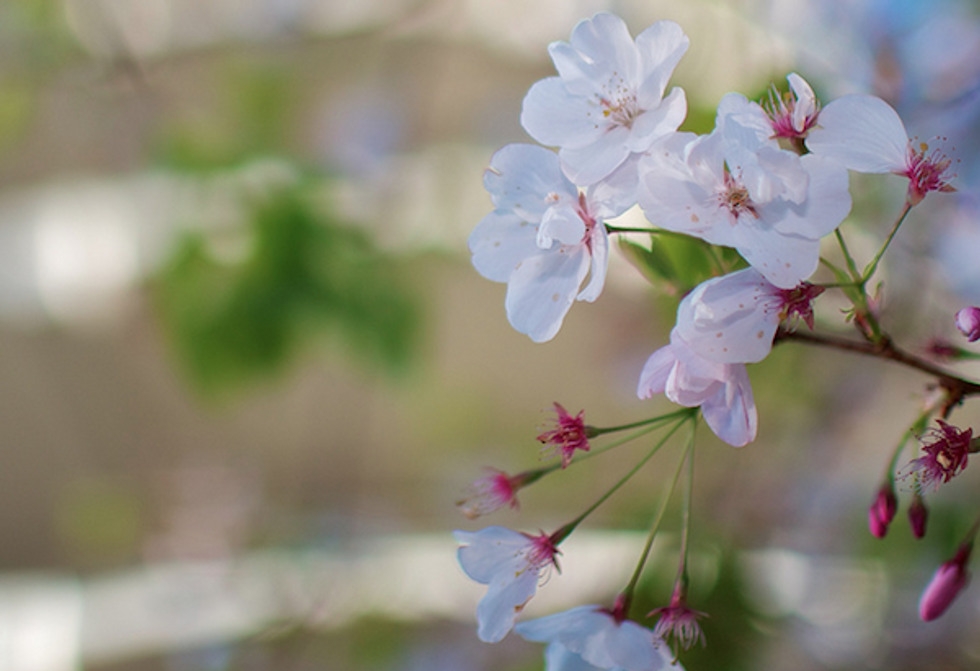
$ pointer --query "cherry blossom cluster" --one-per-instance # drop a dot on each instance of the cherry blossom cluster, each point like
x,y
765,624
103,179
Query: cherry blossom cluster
x,y
770,181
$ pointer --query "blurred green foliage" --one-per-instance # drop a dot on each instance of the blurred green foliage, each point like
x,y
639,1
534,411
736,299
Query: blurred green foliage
x,y
305,275
676,263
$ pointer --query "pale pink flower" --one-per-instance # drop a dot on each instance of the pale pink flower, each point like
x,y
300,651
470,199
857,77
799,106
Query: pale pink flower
x,y
865,134
545,238
607,101
722,390
968,322
793,114
591,637
679,622
511,564
491,493
947,583
570,434
882,510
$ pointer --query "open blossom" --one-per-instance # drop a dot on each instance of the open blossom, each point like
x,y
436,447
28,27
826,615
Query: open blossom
x,y
737,188
591,637
795,113
569,434
679,622
945,456
545,237
948,582
490,493
733,318
722,390
968,322
510,563
865,134
607,101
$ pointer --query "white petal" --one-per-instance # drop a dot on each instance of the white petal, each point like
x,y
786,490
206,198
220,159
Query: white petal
x,y
731,412
588,164
500,242
504,600
862,132
543,288
656,371
605,39
806,101
743,121
661,47
579,75
633,647
600,263
561,223
616,193
730,319
559,658
489,551
557,118
658,121
526,178
827,204
785,260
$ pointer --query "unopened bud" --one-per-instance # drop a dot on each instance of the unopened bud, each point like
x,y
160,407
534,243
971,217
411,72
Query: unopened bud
x,y
882,510
968,322
951,579
918,516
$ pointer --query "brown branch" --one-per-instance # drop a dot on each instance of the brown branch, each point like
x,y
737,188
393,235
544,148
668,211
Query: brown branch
x,y
957,388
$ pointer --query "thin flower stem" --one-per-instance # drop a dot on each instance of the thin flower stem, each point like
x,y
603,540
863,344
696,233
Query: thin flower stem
x,y
598,431
628,229
564,531
635,578
851,265
688,497
870,269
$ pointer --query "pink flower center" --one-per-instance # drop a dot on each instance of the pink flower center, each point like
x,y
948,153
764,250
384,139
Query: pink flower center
x,y
735,198
618,102
927,171
797,303
781,110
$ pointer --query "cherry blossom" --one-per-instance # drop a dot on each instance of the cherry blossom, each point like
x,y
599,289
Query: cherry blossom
x,y
510,563
793,114
946,454
545,237
607,101
678,621
569,434
882,510
733,318
737,188
866,134
591,637
948,582
491,493
722,390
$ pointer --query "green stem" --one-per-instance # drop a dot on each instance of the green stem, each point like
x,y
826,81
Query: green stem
x,y
598,431
851,265
688,497
634,579
870,269
564,531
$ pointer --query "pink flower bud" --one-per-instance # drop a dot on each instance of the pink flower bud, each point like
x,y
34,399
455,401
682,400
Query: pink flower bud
x,y
968,322
882,510
918,516
951,579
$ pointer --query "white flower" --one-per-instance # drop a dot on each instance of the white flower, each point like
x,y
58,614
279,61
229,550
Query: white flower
x,y
794,114
510,564
737,188
722,390
545,237
733,318
865,134
607,100
590,637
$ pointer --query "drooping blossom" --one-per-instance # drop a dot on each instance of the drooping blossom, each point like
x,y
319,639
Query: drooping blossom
x,y
918,515
733,318
591,635
968,322
793,114
570,434
545,238
947,583
882,510
511,564
607,101
865,134
737,188
678,622
722,390
490,493
946,454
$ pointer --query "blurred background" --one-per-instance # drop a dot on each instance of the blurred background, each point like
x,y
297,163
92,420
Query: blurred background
x,y
246,369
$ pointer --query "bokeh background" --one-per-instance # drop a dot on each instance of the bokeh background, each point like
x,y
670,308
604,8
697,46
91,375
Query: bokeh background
x,y
246,368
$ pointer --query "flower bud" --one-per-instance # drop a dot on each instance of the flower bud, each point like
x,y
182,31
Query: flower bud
x,y
918,516
882,510
951,579
968,322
